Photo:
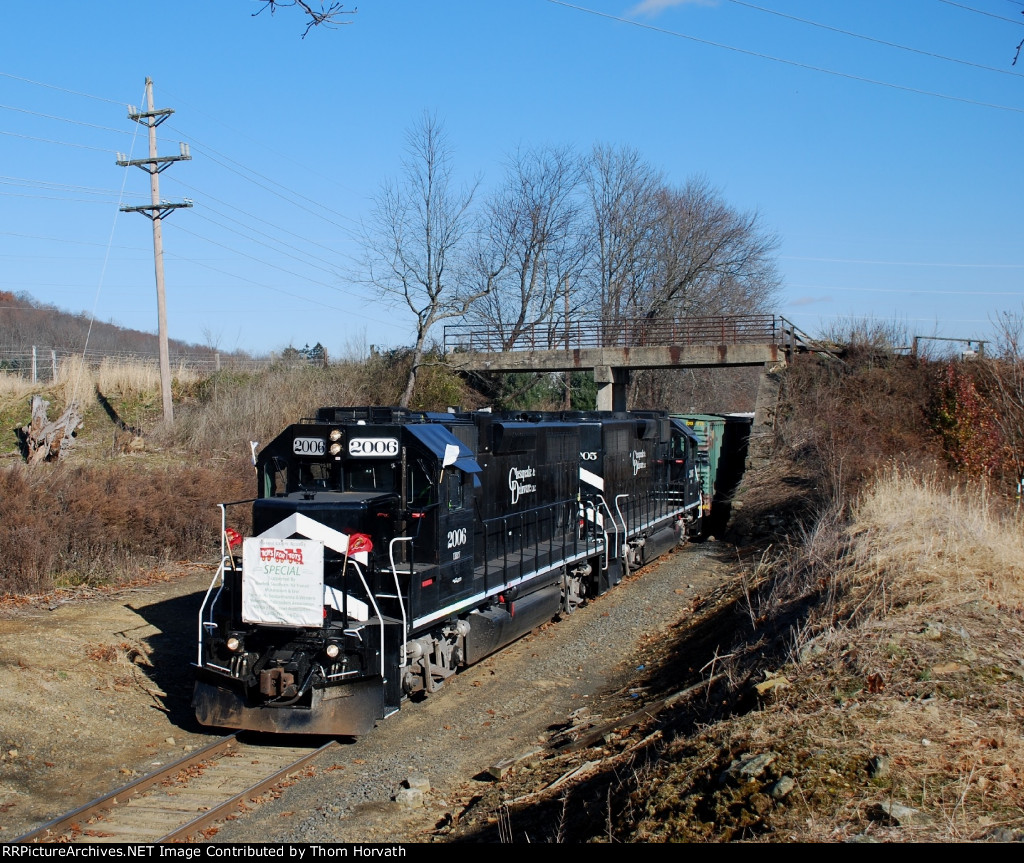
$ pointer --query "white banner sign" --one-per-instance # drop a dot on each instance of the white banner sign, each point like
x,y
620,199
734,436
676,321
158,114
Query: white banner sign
x,y
283,581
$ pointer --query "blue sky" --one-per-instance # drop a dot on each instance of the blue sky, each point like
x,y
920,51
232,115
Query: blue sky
x,y
891,172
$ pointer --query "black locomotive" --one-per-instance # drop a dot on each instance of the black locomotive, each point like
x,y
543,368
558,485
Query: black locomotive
x,y
390,548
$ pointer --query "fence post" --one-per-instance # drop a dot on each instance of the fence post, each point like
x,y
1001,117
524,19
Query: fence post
x,y
33,364
53,364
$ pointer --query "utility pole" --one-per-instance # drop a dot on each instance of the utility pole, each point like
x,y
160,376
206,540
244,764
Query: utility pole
x,y
156,211
568,374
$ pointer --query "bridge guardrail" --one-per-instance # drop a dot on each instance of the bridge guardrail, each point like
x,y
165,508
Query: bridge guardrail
x,y
602,333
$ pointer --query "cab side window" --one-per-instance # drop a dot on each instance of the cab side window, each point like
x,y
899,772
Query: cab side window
x,y
421,489
454,490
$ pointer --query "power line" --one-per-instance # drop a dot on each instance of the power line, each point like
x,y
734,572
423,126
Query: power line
x,y
299,256
903,263
207,197
806,66
51,141
982,12
62,119
203,150
277,153
928,291
877,41
304,297
59,89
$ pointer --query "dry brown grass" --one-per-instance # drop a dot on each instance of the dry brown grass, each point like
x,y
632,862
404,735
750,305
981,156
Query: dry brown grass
x,y
896,635
938,542
63,525
77,379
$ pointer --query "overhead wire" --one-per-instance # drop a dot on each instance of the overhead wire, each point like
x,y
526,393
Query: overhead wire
x,y
794,63
248,174
877,41
303,297
59,89
305,259
208,197
253,235
901,263
982,12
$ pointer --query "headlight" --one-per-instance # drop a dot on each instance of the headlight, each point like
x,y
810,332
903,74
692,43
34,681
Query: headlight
x,y
335,434
234,643
335,448
332,650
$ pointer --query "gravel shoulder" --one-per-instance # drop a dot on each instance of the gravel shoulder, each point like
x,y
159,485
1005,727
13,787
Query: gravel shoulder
x,y
95,690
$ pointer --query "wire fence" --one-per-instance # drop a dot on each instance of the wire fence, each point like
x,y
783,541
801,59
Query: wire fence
x,y
41,364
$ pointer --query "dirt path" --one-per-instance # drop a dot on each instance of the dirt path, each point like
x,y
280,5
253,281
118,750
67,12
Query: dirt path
x,y
94,691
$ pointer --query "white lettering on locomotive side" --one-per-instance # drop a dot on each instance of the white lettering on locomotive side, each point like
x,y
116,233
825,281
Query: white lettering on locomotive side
x,y
588,456
516,475
639,457
457,537
373,447
309,446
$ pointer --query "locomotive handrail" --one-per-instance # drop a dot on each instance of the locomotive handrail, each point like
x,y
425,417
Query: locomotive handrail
x,y
398,588
604,529
202,621
377,611
625,530
219,574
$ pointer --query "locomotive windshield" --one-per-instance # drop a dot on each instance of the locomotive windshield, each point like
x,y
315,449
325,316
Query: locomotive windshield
x,y
373,475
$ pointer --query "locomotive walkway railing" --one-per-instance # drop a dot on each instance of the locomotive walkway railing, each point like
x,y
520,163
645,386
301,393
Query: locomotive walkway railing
x,y
605,333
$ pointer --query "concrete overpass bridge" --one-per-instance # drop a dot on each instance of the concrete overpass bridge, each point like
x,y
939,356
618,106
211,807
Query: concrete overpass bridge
x,y
612,349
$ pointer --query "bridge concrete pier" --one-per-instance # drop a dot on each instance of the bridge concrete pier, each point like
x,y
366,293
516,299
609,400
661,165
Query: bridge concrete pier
x,y
612,387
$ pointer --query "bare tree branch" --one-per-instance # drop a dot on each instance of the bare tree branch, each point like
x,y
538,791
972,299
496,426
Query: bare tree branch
x,y
419,243
328,16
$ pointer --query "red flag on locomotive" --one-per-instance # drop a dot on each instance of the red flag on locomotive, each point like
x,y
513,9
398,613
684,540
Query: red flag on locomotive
x,y
358,542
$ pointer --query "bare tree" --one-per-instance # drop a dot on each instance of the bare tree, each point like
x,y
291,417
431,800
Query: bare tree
x,y
709,258
420,244
328,16
623,191
534,222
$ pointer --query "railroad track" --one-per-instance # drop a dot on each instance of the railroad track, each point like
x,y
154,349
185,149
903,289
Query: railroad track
x,y
182,799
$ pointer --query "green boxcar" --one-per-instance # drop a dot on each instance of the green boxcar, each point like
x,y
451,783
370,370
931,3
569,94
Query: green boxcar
x,y
710,431
721,455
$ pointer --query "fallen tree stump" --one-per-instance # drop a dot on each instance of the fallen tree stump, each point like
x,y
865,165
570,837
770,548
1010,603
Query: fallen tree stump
x,y
46,441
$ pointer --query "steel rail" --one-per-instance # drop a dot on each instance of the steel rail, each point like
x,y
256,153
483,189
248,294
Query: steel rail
x,y
216,813
116,801
125,793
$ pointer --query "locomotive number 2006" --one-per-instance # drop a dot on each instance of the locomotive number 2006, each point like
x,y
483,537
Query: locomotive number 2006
x,y
309,446
457,537
373,446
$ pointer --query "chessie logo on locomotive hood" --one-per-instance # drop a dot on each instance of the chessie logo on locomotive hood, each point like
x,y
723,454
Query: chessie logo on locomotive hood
x,y
516,475
639,457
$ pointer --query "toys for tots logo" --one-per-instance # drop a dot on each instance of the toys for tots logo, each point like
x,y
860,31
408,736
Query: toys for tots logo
x,y
280,555
516,484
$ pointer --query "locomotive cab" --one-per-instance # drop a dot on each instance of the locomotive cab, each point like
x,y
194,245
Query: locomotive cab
x,y
358,527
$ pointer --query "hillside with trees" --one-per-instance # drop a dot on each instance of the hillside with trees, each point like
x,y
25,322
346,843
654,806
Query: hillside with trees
x,y
26,323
